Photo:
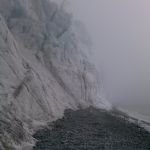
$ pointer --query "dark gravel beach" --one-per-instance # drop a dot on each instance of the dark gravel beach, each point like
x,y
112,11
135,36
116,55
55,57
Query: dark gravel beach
x,y
92,129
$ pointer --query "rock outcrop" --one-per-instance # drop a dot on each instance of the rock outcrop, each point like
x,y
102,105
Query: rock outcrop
x,y
45,69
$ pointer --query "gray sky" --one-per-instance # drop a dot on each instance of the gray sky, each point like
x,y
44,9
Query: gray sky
x,y
120,30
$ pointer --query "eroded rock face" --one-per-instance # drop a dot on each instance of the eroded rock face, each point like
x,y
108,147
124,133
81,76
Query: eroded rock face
x,y
44,68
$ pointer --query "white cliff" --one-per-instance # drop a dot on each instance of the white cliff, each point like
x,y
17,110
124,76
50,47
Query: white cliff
x,y
44,69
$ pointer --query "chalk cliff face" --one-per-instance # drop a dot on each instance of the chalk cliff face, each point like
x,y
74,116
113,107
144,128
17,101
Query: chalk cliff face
x,y
44,69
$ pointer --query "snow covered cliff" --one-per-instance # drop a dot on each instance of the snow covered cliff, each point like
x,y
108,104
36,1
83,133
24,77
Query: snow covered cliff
x,y
44,69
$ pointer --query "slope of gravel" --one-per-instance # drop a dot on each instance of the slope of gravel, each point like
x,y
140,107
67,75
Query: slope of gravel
x,y
92,129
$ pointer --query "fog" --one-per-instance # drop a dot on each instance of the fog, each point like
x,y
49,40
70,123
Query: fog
x,y
120,31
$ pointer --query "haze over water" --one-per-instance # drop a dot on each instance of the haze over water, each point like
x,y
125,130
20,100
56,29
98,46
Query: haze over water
x,y
120,32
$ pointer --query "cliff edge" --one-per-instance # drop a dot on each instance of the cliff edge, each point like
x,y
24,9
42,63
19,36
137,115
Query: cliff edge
x,y
45,69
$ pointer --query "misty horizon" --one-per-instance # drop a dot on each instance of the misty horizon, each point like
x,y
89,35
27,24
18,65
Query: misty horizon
x,y
121,47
